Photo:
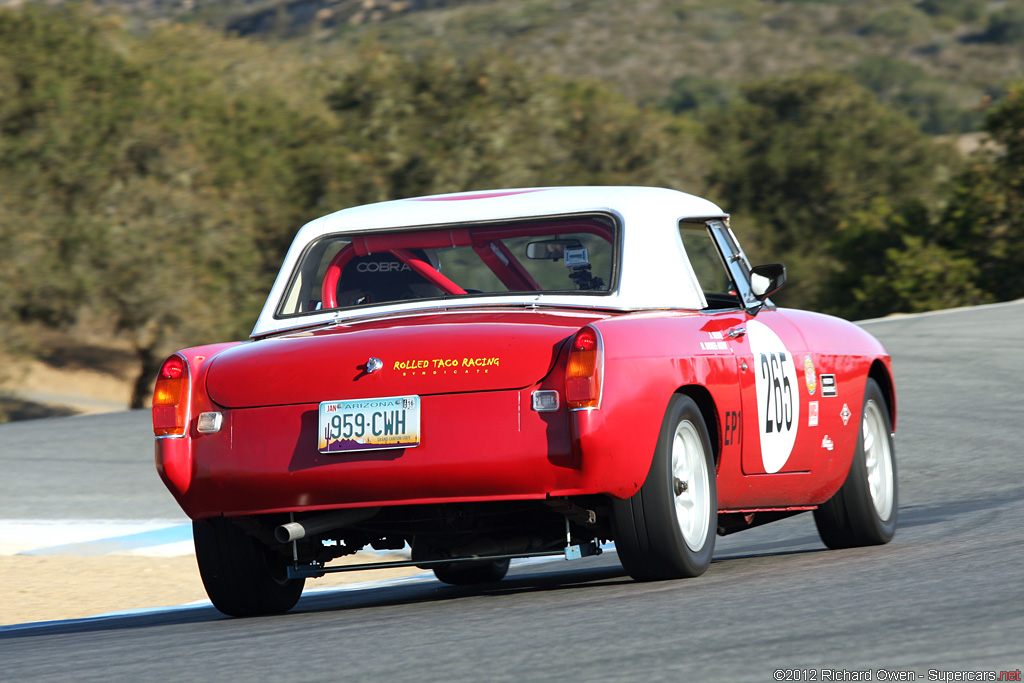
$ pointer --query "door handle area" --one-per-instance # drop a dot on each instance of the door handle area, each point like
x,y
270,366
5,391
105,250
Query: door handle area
x,y
736,332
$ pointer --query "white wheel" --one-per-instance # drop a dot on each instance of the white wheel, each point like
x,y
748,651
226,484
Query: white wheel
x,y
667,529
691,485
878,459
864,510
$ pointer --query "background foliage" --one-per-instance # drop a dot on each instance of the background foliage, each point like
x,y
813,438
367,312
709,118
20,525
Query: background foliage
x,y
152,173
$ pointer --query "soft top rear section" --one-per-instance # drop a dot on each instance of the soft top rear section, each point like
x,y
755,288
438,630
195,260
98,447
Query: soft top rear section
x,y
635,258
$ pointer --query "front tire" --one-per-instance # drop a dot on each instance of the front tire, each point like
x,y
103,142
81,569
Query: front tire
x,y
864,510
666,530
242,576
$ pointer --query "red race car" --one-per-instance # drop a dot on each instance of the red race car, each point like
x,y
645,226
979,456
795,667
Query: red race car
x,y
493,375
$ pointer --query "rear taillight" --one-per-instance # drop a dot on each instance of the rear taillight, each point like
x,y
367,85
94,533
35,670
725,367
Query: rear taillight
x,y
170,398
583,374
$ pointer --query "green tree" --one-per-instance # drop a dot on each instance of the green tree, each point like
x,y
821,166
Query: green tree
x,y
962,10
140,184
891,261
64,95
801,155
984,217
699,95
174,270
1005,26
920,276
154,183
409,126
969,252
908,87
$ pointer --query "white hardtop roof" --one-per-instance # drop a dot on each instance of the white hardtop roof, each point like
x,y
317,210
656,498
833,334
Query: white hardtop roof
x,y
655,273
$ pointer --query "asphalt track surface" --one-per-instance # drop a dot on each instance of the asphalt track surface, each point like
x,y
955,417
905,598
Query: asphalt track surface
x,y
946,596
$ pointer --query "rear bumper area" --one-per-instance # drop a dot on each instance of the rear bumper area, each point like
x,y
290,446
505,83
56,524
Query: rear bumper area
x,y
474,447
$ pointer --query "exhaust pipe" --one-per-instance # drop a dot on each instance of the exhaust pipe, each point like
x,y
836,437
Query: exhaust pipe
x,y
293,531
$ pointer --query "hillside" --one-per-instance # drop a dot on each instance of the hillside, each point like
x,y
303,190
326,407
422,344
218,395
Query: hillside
x,y
937,60
937,66
155,165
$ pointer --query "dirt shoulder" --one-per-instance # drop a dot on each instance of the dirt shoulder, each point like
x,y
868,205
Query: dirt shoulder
x,y
67,375
48,588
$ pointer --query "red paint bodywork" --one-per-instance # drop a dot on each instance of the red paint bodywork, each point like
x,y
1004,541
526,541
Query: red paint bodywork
x,y
481,440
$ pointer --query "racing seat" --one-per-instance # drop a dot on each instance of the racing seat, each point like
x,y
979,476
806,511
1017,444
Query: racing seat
x,y
380,278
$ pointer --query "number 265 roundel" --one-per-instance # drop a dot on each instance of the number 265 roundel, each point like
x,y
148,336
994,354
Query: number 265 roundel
x,y
778,404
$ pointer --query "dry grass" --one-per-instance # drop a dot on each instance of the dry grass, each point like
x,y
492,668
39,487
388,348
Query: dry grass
x,y
47,588
66,374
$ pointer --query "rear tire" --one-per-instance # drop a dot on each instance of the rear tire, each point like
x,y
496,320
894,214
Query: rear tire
x,y
864,510
667,529
242,576
470,573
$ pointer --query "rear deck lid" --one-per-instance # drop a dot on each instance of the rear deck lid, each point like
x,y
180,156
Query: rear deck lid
x,y
436,353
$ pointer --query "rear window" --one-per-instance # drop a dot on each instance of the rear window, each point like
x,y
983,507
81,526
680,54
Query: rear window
x,y
566,255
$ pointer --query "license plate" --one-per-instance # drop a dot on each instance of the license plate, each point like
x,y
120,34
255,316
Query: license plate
x,y
369,424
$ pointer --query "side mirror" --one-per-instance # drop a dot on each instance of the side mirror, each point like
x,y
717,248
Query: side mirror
x,y
767,279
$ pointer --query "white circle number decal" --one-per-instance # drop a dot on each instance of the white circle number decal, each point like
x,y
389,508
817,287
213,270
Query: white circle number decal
x,y
778,404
